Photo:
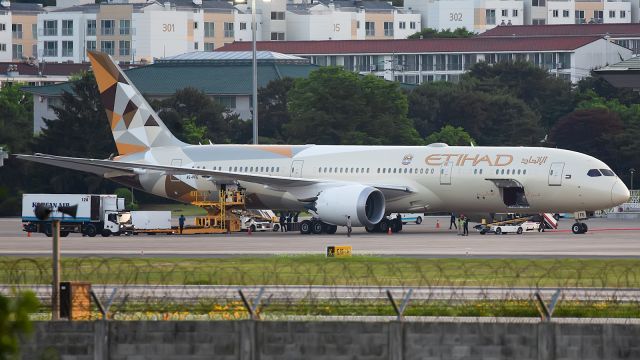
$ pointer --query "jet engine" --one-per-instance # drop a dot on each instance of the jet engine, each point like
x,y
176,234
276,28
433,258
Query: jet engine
x,y
364,204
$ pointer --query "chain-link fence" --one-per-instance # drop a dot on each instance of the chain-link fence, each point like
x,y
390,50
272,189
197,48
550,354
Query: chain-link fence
x,y
311,286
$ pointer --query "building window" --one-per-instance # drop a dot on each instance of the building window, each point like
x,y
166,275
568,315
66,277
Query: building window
x,y
67,28
402,25
34,31
514,12
16,31
597,16
565,13
388,28
50,48
209,46
125,27
538,21
3,27
195,25
50,27
278,36
228,29
195,45
91,28
91,45
34,50
370,28
358,24
277,15
243,26
537,2
227,101
67,48
107,27
107,47
412,25
490,16
3,47
612,13
125,47
623,14
554,13
505,12
580,17
209,29
16,50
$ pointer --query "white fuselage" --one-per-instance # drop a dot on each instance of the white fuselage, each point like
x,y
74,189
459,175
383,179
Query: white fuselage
x,y
439,178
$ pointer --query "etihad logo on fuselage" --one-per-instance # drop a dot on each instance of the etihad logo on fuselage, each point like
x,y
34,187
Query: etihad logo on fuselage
x,y
467,159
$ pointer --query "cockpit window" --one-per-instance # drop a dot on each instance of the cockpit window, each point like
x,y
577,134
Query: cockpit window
x,y
594,173
607,172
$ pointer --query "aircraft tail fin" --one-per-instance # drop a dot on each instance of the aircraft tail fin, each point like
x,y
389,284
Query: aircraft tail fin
x,y
134,124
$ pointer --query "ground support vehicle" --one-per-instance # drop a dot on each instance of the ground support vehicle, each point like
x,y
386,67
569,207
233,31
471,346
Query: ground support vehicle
x,y
96,214
408,218
517,228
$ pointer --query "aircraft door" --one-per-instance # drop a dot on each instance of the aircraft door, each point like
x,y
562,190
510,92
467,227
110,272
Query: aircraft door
x,y
555,174
296,168
177,163
445,173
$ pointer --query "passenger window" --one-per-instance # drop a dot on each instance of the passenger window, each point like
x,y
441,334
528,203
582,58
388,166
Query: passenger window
x,y
432,171
235,168
475,171
524,172
497,171
607,172
518,171
594,173
384,171
480,171
329,170
278,169
367,170
251,169
502,172
405,170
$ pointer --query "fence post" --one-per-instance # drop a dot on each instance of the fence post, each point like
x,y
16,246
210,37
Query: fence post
x,y
248,340
396,340
101,340
405,301
546,312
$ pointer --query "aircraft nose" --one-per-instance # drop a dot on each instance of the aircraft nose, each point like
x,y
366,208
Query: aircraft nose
x,y
619,193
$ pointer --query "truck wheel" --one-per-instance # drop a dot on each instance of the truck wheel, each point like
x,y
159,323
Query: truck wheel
x,y
519,230
253,228
64,233
90,230
419,220
105,233
276,227
305,227
498,231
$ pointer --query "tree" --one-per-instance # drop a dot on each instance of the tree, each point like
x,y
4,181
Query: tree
x,y
335,106
491,119
450,135
14,321
597,85
273,111
428,33
594,131
545,94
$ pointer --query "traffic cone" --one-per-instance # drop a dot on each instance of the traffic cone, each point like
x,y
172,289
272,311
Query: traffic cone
x,y
28,233
249,231
437,224
389,232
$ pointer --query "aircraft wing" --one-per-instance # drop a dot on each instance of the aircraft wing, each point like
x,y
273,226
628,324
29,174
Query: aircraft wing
x,y
109,168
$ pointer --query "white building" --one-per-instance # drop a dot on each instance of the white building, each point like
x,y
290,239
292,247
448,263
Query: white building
x,y
5,31
560,12
444,14
418,61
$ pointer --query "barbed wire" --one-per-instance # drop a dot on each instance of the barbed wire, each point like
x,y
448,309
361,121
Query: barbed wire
x,y
156,288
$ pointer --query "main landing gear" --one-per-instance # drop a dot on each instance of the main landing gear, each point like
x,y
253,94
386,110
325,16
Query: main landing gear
x,y
317,227
579,228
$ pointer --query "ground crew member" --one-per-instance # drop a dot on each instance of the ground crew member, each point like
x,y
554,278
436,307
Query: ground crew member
x,y
282,226
348,226
181,220
459,227
453,221
466,227
399,222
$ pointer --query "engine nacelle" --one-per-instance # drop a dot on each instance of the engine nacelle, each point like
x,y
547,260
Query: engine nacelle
x,y
364,204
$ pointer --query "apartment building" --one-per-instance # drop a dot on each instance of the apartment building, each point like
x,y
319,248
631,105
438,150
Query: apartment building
x,y
554,12
210,24
350,20
18,30
418,61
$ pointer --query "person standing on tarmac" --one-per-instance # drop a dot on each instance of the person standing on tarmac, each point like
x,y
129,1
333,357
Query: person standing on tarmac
x,y
181,220
282,225
348,226
453,221
459,227
465,232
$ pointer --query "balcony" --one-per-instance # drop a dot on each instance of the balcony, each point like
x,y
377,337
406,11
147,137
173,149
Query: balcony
x,y
50,32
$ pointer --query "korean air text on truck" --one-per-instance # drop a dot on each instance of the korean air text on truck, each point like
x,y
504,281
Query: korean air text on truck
x,y
97,214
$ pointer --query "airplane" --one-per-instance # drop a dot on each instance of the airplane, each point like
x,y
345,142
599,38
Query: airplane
x,y
335,181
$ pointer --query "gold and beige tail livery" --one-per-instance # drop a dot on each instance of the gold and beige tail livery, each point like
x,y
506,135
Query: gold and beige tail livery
x,y
134,124
334,182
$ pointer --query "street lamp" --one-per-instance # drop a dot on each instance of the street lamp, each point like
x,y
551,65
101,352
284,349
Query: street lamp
x,y
255,72
631,171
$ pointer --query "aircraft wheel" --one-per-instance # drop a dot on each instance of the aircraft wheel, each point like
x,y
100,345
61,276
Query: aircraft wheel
x,y
305,227
419,220
585,228
576,228
330,229
317,227
519,230
383,226
498,231
370,229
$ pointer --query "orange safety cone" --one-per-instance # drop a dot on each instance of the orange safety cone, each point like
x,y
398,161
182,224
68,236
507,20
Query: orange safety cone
x,y
28,233
437,224
389,232
249,231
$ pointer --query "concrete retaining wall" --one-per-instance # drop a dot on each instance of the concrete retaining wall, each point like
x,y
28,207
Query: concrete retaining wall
x,y
248,340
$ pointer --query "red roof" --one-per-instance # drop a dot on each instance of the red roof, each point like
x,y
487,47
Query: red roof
x,y
614,30
472,45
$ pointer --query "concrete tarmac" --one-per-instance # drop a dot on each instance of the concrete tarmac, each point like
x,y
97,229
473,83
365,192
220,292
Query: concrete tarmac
x,y
606,238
